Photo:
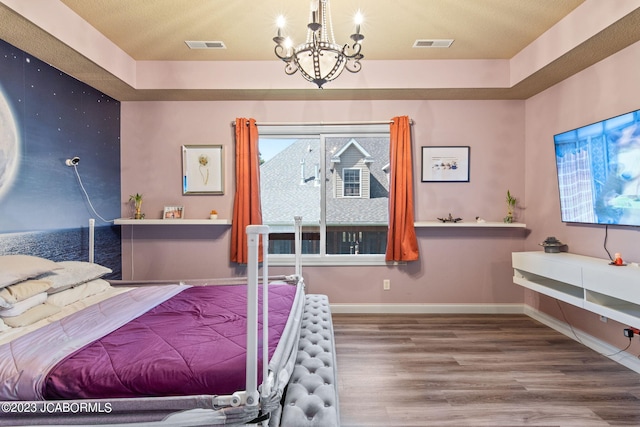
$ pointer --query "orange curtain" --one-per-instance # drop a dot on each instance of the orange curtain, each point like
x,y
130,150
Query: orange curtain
x,y
246,206
402,244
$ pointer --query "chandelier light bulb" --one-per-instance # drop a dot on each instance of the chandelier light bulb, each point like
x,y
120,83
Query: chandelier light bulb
x,y
358,19
280,22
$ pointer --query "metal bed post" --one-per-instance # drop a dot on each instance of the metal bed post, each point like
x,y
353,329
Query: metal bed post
x,y
266,389
92,226
253,239
298,244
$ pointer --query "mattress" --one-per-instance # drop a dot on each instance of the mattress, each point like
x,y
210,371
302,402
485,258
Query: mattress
x,y
155,349
193,343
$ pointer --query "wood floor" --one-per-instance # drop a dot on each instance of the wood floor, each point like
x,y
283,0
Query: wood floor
x,y
475,370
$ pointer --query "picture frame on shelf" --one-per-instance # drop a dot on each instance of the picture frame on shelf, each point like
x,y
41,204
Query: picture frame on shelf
x,y
202,169
445,164
173,212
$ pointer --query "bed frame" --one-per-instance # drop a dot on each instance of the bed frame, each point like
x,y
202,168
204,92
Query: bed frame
x,y
310,398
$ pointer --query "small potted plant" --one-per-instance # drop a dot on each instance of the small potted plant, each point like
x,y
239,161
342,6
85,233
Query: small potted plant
x,y
214,214
511,204
137,203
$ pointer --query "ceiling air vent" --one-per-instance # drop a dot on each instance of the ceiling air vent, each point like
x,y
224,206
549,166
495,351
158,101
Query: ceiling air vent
x,y
205,45
433,43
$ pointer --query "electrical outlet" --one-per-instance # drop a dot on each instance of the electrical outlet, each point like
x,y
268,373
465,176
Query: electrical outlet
x,y
386,284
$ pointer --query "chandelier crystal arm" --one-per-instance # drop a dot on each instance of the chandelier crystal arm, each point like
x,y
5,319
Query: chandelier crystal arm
x,y
282,52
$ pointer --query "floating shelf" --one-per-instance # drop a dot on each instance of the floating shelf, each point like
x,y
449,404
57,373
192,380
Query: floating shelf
x,y
488,224
172,222
586,282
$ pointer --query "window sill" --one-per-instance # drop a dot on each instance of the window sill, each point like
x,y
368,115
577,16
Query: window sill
x,y
330,260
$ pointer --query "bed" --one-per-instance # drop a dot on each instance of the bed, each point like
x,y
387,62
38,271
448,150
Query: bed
x,y
187,353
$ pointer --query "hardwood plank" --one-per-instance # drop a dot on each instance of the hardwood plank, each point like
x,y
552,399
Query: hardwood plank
x,y
475,370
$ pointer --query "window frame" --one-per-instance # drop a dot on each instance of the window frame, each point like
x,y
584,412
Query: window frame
x,y
301,131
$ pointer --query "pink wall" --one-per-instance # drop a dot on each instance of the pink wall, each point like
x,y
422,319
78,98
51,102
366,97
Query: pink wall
x,y
606,89
456,266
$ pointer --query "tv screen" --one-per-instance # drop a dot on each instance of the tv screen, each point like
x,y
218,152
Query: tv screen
x,y
598,169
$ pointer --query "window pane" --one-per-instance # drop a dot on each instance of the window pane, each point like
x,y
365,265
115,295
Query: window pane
x,y
357,194
352,212
290,186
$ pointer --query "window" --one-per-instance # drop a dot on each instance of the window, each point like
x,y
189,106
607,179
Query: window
x,y
336,179
351,182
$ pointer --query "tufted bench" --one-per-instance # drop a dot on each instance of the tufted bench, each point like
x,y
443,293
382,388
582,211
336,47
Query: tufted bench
x,y
312,394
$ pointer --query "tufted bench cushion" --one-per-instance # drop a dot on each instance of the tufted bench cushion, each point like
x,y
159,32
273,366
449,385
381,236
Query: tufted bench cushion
x,y
312,394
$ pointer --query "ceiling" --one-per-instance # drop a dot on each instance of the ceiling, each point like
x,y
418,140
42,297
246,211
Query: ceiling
x,y
157,30
482,29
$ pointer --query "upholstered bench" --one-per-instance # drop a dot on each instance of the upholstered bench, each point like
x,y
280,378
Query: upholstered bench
x,y
312,394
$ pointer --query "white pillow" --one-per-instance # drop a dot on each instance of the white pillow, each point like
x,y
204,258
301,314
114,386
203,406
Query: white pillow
x,y
32,315
73,273
3,327
77,293
16,268
21,291
22,306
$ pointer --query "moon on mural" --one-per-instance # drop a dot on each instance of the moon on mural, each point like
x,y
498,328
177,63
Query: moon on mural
x,y
8,146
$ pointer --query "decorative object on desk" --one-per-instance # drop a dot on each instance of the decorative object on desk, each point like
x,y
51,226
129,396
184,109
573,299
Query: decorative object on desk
x,y
445,164
553,246
173,212
617,260
511,204
450,218
213,214
137,205
480,220
202,169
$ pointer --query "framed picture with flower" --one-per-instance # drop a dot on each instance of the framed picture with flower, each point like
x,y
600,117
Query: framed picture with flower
x,y
202,169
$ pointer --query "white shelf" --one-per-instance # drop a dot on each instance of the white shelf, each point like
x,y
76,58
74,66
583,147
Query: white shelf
x,y
185,221
463,224
590,283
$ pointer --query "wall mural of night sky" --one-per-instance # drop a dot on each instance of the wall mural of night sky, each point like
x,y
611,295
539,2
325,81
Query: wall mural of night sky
x,y
47,117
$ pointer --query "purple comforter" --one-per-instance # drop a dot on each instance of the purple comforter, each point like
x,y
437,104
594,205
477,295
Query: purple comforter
x,y
193,343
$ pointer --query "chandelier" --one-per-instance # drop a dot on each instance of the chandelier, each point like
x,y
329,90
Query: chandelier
x,y
320,59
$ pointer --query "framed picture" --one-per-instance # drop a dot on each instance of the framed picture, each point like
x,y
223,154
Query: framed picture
x,y
445,164
173,212
202,169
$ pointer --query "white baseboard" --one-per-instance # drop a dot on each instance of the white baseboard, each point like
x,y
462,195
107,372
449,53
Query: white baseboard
x,y
427,308
622,357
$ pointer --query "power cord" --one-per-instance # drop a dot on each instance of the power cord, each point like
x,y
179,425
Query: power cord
x,y
564,317
606,236
620,351
86,195
580,341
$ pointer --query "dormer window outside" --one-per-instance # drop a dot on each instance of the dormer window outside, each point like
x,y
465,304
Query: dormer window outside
x,y
352,180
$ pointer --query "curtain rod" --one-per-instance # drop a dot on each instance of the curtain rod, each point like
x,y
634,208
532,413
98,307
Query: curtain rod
x,y
374,122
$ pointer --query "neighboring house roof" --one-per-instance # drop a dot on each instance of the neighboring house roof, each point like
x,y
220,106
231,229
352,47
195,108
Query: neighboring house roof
x,y
352,143
283,195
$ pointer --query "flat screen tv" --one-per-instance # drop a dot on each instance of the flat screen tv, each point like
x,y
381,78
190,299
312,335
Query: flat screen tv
x,y
598,169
